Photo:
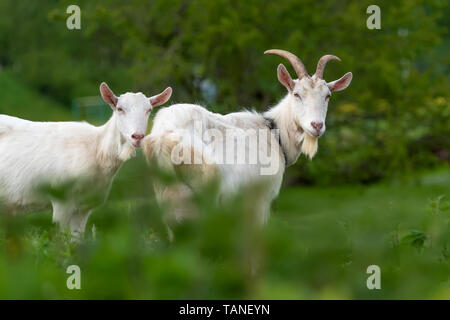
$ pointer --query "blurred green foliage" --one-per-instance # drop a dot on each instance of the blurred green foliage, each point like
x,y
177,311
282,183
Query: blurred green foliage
x,y
18,100
318,245
394,118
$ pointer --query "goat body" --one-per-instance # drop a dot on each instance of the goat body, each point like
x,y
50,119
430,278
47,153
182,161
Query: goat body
x,y
299,118
40,154
76,158
178,125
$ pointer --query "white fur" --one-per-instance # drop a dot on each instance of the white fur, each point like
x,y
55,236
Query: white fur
x,y
306,102
172,123
75,154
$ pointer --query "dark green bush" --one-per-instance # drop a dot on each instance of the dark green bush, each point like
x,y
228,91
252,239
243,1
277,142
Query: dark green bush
x,y
393,119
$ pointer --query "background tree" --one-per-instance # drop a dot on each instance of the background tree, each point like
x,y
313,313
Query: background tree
x,y
393,118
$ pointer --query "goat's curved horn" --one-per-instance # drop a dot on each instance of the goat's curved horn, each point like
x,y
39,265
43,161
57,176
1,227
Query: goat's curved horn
x,y
296,63
322,63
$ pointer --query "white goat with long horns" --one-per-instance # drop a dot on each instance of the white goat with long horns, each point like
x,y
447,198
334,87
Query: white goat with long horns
x,y
78,157
182,130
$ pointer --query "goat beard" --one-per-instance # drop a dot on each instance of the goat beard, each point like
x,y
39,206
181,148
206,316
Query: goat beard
x,y
309,145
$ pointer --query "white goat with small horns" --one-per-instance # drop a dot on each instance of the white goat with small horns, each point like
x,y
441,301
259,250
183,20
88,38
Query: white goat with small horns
x,y
73,155
299,119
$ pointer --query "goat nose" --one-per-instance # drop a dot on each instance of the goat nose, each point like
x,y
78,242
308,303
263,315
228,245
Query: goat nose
x,y
137,136
317,125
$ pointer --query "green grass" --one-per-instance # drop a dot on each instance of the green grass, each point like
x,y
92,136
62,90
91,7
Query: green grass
x,y
317,245
345,229
19,101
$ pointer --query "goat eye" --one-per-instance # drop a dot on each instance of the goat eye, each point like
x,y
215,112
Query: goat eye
x,y
327,97
120,109
297,96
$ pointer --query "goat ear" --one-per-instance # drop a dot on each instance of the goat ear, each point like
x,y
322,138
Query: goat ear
x,y
285,78
341,83
108,96
161,98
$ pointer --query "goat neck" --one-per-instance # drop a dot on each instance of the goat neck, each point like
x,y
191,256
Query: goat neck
x,y
113,149
293,138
